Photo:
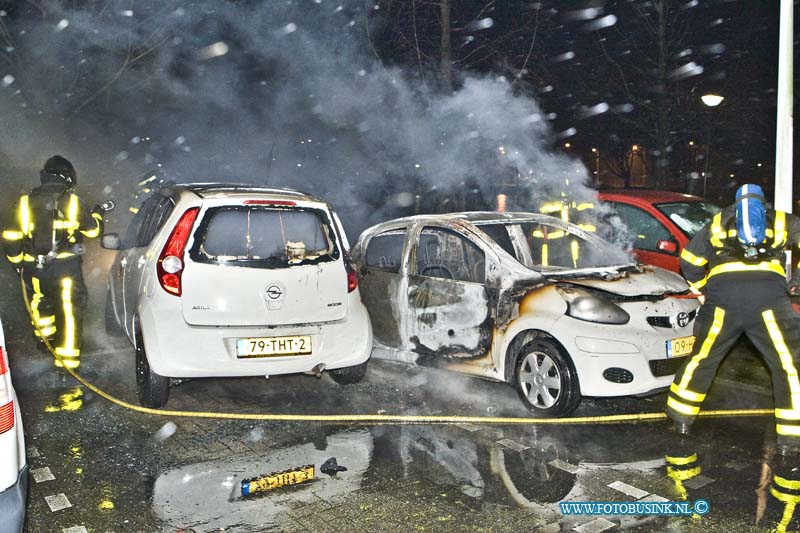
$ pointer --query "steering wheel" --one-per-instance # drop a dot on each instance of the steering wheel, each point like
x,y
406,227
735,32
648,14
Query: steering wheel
x,y
437,271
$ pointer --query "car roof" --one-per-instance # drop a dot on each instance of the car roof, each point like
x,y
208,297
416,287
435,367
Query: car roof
x,y
475,217
214,189
650,195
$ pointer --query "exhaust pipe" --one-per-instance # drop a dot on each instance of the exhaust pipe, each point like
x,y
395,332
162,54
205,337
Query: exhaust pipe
x,y
316,371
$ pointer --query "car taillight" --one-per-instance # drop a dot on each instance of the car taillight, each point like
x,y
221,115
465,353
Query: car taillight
x,y
6,403
352,277
170,262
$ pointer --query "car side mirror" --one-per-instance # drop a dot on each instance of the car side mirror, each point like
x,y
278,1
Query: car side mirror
x,y
110,241
668,247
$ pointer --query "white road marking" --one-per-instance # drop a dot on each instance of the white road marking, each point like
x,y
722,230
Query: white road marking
x,y
514,445
595,526
57,502
42,474
75,529
563,465
630,490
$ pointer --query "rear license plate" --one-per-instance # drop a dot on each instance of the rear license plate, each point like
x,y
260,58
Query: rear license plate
x,y
680,346
294,476
273,346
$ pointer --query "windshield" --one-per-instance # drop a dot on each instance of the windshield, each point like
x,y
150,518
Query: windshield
x,y
559,246
263,237
690,217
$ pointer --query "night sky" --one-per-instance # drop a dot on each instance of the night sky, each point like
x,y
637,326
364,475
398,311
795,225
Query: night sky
x,y
347,99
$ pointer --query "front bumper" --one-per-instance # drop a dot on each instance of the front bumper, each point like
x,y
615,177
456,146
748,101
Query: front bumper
x,y
12,503
637,347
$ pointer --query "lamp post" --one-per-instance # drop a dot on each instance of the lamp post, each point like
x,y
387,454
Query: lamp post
x,y
596,167
710,100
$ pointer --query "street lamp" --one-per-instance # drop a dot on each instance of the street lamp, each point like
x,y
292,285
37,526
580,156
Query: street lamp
x,y
710,100
596,167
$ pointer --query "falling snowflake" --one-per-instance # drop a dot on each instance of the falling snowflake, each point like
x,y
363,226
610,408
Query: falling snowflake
x,y
8,79
62,25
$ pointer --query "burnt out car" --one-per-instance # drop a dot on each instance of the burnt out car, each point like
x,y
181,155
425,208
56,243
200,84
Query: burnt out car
x,y
525,299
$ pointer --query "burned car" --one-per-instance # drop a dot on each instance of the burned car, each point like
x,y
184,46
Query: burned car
x,y
525,299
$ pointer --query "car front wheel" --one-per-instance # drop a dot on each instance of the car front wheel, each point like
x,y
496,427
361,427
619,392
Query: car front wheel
x,y
153,390
545,379
350,374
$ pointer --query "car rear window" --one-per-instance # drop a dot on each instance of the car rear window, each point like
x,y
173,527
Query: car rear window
x,y
264,237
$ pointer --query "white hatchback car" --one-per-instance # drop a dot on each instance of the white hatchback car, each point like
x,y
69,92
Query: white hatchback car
x,y
219,280
525,299
13,464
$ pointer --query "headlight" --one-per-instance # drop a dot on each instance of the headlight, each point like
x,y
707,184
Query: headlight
x,y
590,307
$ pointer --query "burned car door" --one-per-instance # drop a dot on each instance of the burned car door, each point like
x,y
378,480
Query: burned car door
x,y
381,278
447,299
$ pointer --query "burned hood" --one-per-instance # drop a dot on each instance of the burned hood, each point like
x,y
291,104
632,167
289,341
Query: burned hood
x,y
645,281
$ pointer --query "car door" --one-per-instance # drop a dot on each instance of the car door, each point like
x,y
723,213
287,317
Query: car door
x,y
381,282
448,307
151,218
649,237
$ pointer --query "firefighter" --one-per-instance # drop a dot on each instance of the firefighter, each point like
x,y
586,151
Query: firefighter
x,y
45,246
735,265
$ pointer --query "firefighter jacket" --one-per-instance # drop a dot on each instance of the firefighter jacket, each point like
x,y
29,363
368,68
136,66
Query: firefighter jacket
x,y
50,223
715,252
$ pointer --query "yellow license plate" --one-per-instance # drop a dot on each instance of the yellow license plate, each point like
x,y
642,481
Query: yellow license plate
x,y
294,476
273,346
680,346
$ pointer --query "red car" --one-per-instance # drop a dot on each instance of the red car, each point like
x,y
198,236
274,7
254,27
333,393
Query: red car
x,y
661,223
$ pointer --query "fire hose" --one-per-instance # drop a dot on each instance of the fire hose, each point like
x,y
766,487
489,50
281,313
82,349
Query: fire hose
x,y
377,419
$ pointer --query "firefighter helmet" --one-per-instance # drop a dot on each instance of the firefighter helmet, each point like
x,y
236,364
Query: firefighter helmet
x,y
58,168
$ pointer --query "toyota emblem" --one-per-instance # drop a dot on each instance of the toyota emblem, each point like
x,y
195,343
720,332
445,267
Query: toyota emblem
x,y
682,319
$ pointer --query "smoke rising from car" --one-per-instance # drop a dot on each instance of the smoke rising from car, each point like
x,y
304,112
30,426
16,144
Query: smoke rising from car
x,y
287,94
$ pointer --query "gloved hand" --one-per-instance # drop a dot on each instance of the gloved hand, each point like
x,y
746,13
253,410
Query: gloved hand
x,y
794,286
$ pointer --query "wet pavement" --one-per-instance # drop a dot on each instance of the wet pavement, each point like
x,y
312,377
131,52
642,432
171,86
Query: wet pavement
x,y
96,466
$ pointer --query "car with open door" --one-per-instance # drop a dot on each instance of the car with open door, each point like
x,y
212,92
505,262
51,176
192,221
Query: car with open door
x,y
526,299
222,280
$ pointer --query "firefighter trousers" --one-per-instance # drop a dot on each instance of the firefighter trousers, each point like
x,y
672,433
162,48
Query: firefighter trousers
x,y
774,329
57,298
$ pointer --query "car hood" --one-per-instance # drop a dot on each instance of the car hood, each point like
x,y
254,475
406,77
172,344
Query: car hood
x,y
648,281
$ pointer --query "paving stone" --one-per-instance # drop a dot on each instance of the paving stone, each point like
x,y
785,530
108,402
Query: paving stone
x,y
57,502
595,526
42,474
630,490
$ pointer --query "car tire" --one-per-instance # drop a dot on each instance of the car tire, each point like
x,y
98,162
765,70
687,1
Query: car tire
x,y
545,378
112,326
350,374
152,389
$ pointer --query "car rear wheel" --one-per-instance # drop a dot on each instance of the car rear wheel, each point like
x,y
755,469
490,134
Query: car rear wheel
x,y
153,390
112,326
545,378
350,374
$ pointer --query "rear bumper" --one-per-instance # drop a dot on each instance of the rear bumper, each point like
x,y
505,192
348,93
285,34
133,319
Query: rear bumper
x,y
178,350
12,503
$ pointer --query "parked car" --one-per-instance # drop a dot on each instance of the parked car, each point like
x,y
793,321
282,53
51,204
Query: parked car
x,y
216,280
525,299
13,465
661,223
